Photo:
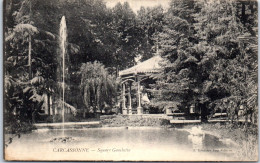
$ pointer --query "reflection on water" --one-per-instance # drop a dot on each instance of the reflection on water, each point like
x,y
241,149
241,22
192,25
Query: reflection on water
x,y
210,144
200,142
197,141
140,144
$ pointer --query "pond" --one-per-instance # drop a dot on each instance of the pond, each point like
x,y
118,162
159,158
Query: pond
x,y
118,144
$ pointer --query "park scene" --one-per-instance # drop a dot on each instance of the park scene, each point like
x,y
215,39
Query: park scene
x,y
130,80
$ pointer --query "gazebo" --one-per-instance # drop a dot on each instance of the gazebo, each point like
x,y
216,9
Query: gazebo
x,y
136,74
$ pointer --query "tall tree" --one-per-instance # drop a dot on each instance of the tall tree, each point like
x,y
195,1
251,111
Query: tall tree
x,y
219,28
98,87
176,84
150,22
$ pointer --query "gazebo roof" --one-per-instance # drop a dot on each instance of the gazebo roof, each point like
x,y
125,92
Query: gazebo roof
x,y
149,66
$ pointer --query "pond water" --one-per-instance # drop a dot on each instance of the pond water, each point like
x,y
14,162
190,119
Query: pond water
x,y
118,144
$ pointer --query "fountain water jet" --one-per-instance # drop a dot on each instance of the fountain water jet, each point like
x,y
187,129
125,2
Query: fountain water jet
x,y
63,44
62,74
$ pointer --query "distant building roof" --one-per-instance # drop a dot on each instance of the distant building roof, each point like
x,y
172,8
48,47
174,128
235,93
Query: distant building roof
x,y
149,66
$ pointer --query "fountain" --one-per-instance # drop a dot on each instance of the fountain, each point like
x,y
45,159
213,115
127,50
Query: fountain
x,y
62,71
63,39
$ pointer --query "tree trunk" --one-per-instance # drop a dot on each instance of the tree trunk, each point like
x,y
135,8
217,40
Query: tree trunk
x,y
204,113
38,107
117,71
53,107
243,13
29,57
84,112
48,104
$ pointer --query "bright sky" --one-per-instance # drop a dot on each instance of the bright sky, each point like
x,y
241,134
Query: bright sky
x,y
136,4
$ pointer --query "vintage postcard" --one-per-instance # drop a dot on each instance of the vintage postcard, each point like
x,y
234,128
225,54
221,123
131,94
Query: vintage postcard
x,y
130,80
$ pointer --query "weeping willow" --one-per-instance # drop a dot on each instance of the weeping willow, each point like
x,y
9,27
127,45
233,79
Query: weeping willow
x,y
97,86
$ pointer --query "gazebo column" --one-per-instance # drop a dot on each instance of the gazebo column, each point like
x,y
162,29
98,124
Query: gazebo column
x,y
123,105
139,108
130,100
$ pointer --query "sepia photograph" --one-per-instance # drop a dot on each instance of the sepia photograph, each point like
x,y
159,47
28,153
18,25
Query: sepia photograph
x,y
130,80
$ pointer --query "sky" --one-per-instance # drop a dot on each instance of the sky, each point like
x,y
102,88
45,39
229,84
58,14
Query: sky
x,y
136,4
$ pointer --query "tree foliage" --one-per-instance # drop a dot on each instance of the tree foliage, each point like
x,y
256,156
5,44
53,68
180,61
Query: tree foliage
x,y
212,58
98,87
210,48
